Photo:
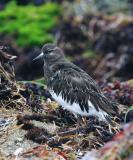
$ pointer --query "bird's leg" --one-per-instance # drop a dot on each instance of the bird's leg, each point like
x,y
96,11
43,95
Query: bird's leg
x,y
78,117
84,119
78,124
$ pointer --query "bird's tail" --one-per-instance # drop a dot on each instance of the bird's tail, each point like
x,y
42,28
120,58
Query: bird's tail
x,y
114,110
109,119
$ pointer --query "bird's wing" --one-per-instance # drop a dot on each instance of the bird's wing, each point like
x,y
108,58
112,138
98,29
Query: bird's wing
x,y
75,85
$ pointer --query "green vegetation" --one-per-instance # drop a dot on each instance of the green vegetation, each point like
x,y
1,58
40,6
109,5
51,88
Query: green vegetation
x,y
29,25
40,82
89,54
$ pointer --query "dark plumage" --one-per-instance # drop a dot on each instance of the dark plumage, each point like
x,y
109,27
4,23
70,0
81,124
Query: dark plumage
x,y
68,84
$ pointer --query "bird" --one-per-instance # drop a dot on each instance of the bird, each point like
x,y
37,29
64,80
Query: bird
x,y
71,87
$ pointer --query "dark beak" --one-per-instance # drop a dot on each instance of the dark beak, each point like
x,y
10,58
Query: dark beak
x,y
38,57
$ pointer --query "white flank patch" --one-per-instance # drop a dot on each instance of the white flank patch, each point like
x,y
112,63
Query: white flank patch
x,y
75,108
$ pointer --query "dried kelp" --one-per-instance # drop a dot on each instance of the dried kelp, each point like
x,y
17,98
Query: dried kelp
x,y
121,147
119,92
45,123
106,38
9,94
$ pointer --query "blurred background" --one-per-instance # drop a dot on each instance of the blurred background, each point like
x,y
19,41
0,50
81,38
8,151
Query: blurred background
x,y
96,35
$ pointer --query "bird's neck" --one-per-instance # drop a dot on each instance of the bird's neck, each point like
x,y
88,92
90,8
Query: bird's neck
x,y
51,67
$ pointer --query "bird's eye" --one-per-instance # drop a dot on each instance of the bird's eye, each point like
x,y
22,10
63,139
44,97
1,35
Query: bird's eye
x,y
49,51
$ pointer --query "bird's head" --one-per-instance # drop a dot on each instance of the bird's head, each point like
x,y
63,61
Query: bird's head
x,y
50,53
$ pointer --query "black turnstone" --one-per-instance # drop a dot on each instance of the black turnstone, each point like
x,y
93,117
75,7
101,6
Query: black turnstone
x,y
72,87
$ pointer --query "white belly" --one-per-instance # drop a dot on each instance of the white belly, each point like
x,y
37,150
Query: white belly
x,y
75,108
